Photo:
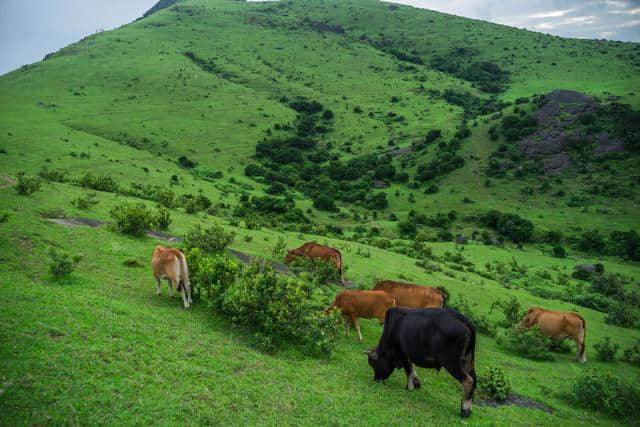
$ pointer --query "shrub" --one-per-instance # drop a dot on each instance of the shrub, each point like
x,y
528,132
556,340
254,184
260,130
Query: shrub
x,y
632,354
511,309
529,343
85,202
559,252
279,248
212,240
61,264
592,241
621,314
99,182
606,350
321,271
56,175
132,219
608,285
606,393
27,184
324,202
508,225
495,384
185,162
162,218
482,322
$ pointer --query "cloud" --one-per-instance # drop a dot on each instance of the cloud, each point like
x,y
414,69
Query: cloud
x,y
635,11
550,14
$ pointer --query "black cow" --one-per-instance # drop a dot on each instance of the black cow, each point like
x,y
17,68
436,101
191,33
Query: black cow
x,y
429,338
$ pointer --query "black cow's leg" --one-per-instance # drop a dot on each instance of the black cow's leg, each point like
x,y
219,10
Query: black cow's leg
x,y
468,386
412,378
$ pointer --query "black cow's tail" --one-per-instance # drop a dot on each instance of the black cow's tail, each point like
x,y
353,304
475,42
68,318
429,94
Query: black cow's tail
x,y
470,351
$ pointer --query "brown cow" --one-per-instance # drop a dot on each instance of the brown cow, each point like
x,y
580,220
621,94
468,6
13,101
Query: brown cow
x,y
559,325
170,264
365,304
412,296
313,250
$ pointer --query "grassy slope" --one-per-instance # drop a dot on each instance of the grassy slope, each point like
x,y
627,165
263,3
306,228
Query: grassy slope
x,y
103,348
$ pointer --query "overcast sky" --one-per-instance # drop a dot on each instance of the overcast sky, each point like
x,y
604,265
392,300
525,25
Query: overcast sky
x,y
29,29
608,19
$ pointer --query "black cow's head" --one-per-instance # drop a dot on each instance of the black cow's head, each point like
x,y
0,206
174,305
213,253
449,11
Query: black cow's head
x,y
382,364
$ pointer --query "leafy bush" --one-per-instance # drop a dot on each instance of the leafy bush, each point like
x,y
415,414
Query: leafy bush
x,y
132,219
99,182
608,285
559,252
162,218
592,241
27,184
622,314
632,354
606,350
508,225
280,310
322,271
495,384
212,240
85,202
606,393
55,175
61,264
511,309
324,202
482,321
529,343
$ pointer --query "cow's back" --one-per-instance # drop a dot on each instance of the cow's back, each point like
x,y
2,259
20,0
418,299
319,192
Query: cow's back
x,y
558,323
412,296
166,262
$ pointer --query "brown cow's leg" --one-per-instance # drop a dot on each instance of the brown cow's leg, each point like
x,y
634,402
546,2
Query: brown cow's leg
x,y
356,325
184,297
170,287
580,357
347,325
158,287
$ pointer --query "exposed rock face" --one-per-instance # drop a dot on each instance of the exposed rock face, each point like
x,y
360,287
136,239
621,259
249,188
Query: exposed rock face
x,y
556,117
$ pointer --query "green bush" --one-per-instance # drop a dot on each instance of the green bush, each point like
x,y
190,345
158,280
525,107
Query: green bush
x,y
621,314
606,350
55,175
321,271
529,343
607,394
212,240
495,384
132,219
27,184
99,183
632,354
559,252
280,310
61,264
508,225
511,309
482,321
85,202
162,218
608,285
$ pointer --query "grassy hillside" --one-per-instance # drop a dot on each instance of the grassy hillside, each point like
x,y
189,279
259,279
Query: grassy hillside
x,y
189,96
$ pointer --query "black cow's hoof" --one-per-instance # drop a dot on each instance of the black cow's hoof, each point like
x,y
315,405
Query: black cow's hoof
x,y
465,413
416,383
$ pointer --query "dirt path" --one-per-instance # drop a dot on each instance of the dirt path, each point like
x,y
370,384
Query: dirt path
x,y
5,182
517,400
242,257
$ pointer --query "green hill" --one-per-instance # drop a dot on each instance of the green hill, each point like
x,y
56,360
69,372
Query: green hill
x,y
389,132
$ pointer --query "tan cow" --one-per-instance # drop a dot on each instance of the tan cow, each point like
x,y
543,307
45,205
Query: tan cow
x,y
559,325
365,304
170,264
313,250
412,296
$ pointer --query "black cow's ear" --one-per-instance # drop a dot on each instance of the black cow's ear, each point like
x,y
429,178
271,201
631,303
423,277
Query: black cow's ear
x,y
372,354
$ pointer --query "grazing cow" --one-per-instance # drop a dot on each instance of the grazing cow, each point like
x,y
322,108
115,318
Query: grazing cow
x,y
559,325
429,338
365,304
313,250
413,296
170,264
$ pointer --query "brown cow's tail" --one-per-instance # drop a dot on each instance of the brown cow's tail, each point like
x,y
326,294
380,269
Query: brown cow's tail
x,y
340,270
583,333
444,299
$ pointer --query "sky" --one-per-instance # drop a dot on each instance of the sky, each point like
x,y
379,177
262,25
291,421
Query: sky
x,y
591,19
29,29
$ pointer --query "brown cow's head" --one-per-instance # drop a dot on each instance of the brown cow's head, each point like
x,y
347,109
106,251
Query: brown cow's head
x,y
291,255
381,364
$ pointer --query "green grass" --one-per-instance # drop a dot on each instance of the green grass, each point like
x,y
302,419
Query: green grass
x,y
100,347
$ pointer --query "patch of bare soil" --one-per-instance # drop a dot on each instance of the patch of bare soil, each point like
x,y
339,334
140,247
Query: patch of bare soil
x,y
517,400
163,236
77,222
5,182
